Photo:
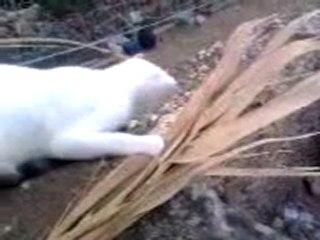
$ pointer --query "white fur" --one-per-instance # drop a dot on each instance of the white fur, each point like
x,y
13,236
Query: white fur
x,y
74,112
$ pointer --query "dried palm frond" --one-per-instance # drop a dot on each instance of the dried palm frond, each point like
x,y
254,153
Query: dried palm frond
x,y
205,136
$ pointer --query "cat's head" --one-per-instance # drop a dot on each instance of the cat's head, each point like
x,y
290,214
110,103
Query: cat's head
x,y
152,85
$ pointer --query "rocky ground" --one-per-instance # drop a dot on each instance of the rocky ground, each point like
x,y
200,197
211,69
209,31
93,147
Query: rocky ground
x,y
217,208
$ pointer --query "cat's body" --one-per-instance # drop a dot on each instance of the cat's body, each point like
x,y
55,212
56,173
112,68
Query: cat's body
x,y
74,113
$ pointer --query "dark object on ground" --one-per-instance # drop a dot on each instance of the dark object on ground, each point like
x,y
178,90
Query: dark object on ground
x,y
145,40
30,170
38,167
131,48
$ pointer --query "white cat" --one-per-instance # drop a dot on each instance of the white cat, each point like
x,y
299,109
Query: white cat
x,y
74,113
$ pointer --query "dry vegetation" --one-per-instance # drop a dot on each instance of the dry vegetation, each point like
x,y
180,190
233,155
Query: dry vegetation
x,y
208,132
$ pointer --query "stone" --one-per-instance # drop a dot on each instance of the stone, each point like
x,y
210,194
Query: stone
x,y
193,75
30,14
4,32
278,223
11,16
26,186
290,214
7,229
200,19
202,54
204,68
315,186
3,20
24,28
133,124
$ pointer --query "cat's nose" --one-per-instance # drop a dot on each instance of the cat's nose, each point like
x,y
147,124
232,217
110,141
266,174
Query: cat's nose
x,y
176,88
172,81
174,84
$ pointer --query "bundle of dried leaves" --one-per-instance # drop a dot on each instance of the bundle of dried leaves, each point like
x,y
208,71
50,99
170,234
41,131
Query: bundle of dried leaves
x,y
207,133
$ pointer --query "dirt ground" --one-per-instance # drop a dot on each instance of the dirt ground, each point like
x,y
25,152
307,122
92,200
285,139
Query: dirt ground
x,y
27,213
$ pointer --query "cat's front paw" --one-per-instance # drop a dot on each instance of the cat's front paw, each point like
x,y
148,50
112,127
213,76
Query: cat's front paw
x,y
155,145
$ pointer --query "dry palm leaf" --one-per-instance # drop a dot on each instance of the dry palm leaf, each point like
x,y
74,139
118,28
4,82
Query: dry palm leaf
x,y
204,137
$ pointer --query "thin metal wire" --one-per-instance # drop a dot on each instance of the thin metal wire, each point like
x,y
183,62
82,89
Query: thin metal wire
x,y
102,40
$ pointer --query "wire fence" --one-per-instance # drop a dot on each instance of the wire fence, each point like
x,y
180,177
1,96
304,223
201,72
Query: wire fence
x,y
185,7
132,30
